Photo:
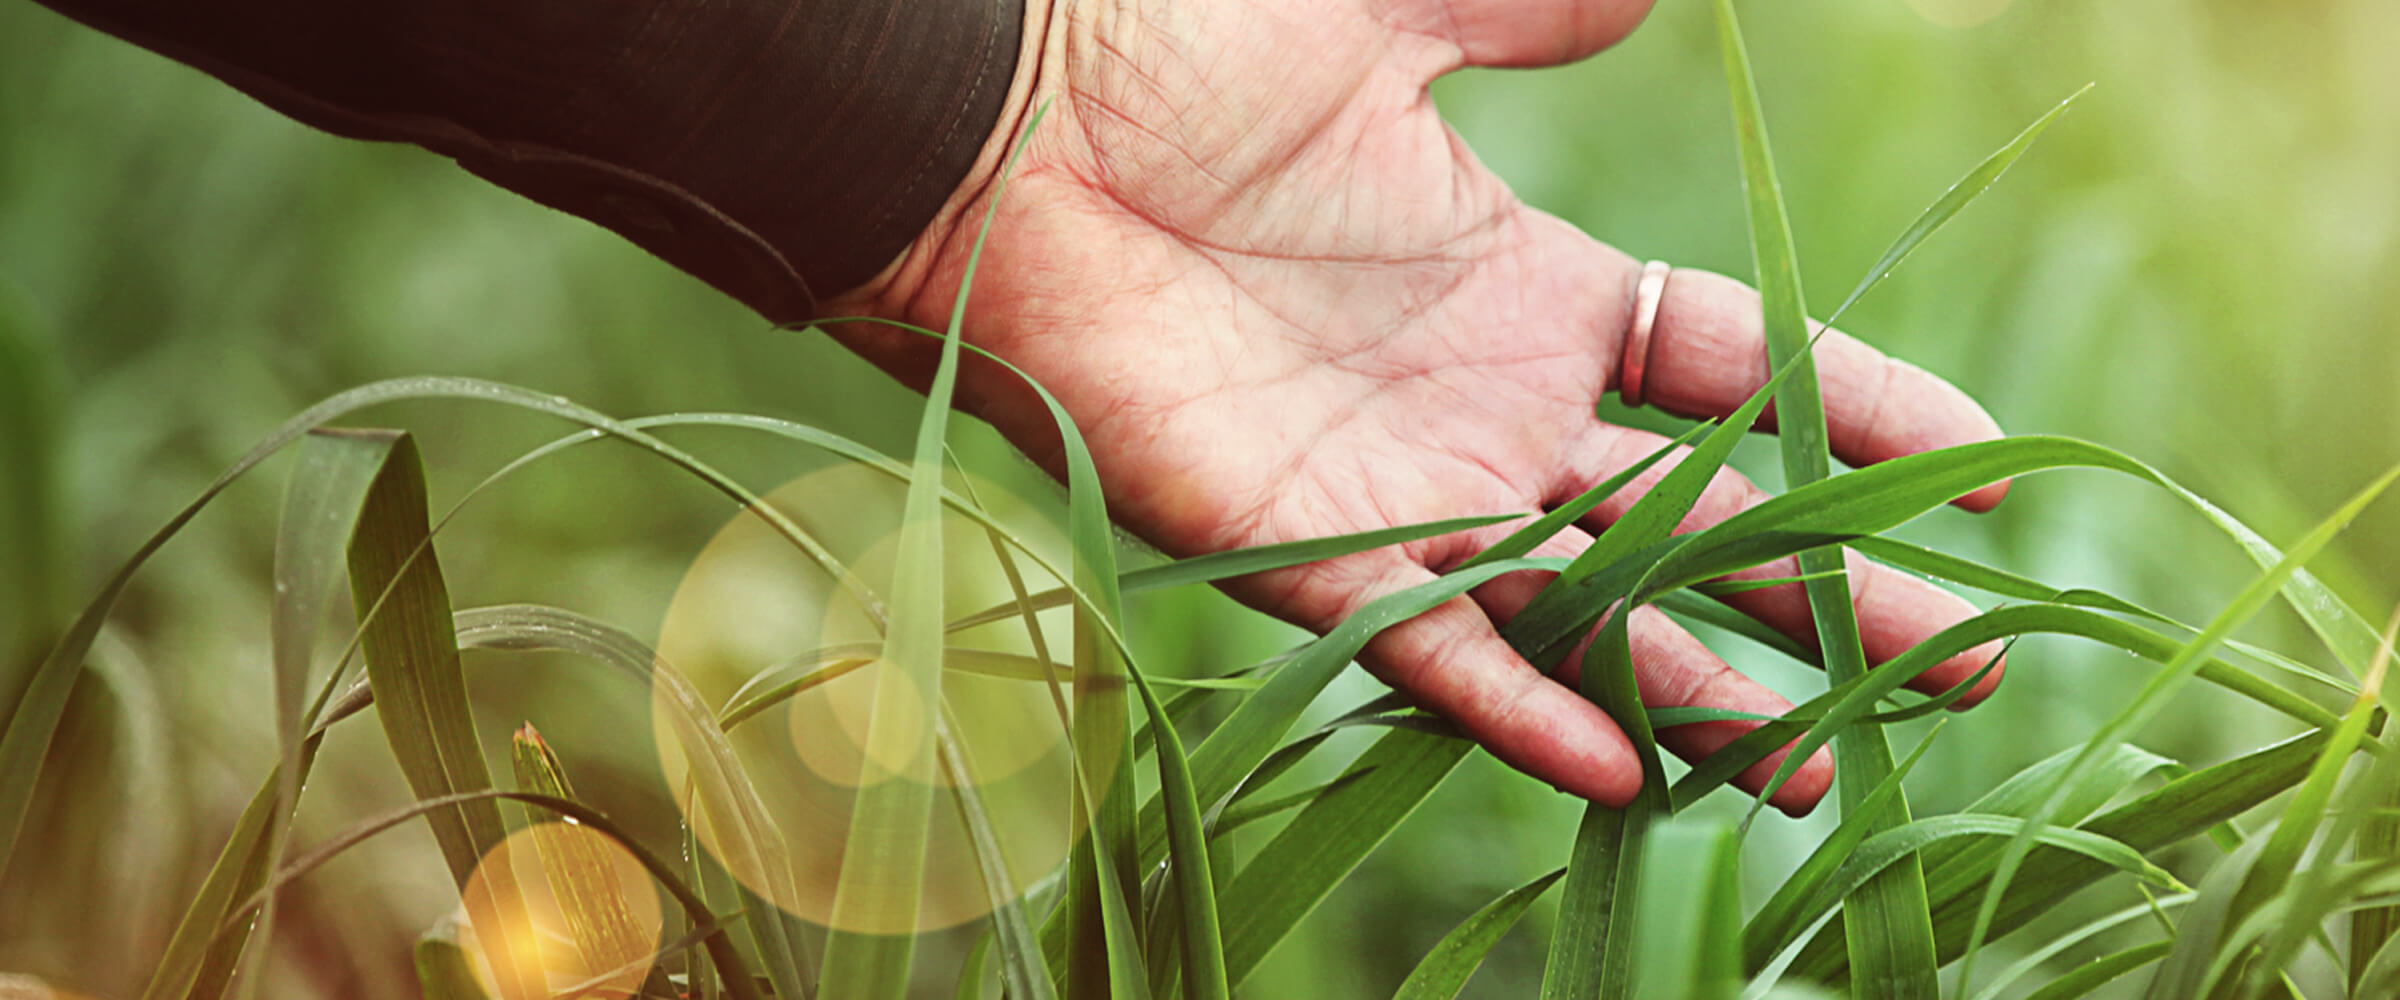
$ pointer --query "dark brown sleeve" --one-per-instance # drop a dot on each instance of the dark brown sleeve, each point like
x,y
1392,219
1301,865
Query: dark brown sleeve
x,y
783,150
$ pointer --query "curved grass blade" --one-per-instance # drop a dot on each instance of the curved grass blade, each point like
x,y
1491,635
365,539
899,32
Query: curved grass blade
x,y
2153,694
1885,849
1022,967
1975,183
1445,969
1524,540
718,941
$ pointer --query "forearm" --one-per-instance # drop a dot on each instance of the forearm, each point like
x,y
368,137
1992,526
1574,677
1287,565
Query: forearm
x,y
784,152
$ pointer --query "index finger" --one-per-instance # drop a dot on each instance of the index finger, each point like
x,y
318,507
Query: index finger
x,y
1707,353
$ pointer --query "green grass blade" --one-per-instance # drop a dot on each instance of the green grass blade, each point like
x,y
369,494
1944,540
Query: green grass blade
x,y
1592,948
1022,967
2059,944
1524,540
1688,939
1296,869
1784,916
31,539
328,487
1891,935
1968,188
1445,969
1203,948
1957,874
2168,679
883,860
411,651
195,965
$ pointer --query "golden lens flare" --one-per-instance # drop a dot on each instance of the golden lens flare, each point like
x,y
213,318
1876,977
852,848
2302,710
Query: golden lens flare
x,y
607,945
796,643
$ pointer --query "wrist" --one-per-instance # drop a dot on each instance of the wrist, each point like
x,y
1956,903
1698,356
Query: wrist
x,y
919,285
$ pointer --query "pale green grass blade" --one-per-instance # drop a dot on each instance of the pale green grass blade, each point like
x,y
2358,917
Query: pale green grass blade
x,y
1691,607
1445,970
23,747
1948,205
1688,940
411,651
1882,850
1783,918
321,505
1959,570
1592,947
2193,958
1891,936
1240,812
194,964
2100,972
883,860
2168,679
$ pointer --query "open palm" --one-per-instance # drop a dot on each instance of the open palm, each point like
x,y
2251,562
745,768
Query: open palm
x,y
1283,300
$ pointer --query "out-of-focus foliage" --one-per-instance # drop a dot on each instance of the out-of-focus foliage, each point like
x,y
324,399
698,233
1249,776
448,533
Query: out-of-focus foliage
x,y
2192,268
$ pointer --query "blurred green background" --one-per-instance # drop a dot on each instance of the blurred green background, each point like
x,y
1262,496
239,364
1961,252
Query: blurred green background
x,y
2194,266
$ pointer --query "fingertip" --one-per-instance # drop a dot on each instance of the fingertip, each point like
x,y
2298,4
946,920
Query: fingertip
x,y
1799,796
1983,500
1967,664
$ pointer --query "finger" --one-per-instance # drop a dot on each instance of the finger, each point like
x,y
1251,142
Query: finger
x,y
1522,32
1896,610
1451,661
1706,354
1671,668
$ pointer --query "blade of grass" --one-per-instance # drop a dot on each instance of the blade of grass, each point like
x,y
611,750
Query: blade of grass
x,y
411,652
581,874
2061,943
1781,921
718,941
1445,969
1891,933
1689,939
2100,972
2168,679
444,970
1948,205
2185,807
1022,968
329,483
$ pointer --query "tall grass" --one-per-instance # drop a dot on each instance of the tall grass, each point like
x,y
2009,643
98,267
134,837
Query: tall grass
x,y
1158,896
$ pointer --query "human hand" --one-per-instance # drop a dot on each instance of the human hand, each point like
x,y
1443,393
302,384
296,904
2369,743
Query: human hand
x,y
1282,300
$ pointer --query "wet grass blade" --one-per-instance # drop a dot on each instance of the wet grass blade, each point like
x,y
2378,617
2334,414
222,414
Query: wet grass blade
x,y
1891,933
411,651
2153,695
1445,969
